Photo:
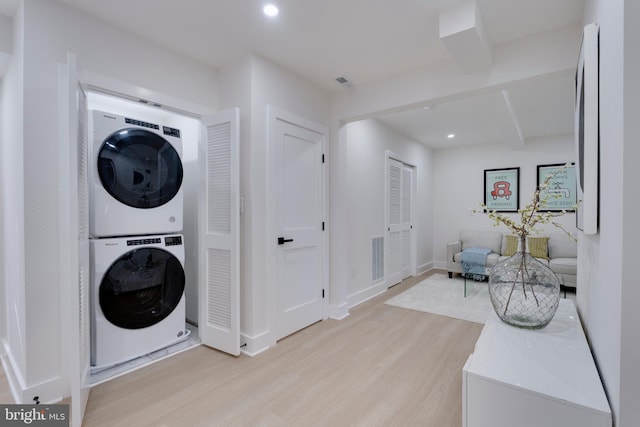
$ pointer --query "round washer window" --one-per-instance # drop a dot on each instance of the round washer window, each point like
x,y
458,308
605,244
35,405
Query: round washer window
x,y
139,168
141,288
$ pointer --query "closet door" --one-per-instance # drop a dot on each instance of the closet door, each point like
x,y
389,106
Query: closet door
x,y
398,217
218,284
74,234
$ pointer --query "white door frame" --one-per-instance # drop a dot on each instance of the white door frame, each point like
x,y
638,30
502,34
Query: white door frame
x,y
390,155
68,270
273,115
73,240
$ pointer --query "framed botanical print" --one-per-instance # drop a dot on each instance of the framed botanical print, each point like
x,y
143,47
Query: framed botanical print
x,y
502,189
560,192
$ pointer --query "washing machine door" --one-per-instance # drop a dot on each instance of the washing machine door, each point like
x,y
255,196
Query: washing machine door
x,y
141,288
139,168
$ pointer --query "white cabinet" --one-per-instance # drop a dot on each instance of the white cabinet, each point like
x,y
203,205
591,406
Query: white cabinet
x,y
533,378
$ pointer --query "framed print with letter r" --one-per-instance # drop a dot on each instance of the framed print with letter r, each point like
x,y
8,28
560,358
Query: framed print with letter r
x,y
502,189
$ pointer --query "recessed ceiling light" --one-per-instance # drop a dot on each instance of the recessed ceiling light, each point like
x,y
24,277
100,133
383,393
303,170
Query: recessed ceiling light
x,y
270,10
451,135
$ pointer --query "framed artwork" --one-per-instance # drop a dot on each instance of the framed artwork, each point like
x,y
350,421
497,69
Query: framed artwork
x,y
561,191
502,189
587,131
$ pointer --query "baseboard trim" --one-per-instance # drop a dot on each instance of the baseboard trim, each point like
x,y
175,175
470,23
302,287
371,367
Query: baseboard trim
x,y
339,312
48,392
366,294
426,267
254,345
439,265
13,377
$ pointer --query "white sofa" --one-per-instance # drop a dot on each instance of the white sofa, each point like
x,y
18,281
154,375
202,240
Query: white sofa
x,y
561,250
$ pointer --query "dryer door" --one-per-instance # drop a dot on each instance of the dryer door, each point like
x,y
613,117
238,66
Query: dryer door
x,y
141,288
139,168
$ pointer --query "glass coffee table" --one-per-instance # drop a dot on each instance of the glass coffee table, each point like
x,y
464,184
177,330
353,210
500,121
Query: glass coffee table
x,y
484,275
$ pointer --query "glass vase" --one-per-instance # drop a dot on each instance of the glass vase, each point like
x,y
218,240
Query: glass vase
x,y
524,292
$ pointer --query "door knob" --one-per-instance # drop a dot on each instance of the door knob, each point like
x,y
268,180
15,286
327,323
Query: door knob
x,y
282,240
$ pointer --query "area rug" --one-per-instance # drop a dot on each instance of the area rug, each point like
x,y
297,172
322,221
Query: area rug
x,y
438,294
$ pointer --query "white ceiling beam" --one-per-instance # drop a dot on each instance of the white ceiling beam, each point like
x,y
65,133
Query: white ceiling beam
x,y
508,124
463,34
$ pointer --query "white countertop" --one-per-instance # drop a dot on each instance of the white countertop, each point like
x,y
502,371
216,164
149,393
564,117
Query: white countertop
x,y
554,361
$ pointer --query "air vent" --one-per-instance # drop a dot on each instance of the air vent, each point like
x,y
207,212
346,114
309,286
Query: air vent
x,y
344,81
377,258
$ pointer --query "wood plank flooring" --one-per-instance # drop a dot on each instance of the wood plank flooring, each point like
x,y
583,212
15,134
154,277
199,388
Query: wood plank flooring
x,y
381,366
5,390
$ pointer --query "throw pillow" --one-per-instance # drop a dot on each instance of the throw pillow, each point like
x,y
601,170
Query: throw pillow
x,y
538,247
512,245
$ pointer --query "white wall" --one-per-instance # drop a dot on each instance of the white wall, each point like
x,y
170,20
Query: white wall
x,y
101,48
458,176
50,29
529,57
44,31
275,86
254,84
12,169
3,290
367,141
630,293
607,262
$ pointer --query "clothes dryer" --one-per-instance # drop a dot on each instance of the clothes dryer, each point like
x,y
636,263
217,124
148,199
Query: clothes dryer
x,y
137,297
135,177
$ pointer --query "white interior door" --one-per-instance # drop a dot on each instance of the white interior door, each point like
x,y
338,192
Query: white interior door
x,y
74,234
299,240
219,271
398,214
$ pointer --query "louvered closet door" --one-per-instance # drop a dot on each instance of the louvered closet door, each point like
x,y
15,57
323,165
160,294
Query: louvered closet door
x,y
74,233
84,281
218,284
398,216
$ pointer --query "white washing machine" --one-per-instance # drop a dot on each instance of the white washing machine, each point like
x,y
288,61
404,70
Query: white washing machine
x,y
137,297
135,177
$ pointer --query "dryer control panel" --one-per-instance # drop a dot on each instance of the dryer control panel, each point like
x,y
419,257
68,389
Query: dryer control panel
x,y
168,241
149,241
171,131
173,241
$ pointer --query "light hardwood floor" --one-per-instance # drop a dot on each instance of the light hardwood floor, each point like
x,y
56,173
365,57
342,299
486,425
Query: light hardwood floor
x,y
5,391
381,366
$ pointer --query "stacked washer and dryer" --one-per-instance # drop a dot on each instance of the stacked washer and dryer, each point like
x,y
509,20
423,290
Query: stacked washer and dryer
x,y
137,253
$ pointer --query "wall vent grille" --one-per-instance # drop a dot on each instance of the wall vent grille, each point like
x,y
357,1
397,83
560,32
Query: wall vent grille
x,y
377,258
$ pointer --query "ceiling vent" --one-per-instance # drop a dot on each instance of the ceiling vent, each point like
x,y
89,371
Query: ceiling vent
x,y
343,81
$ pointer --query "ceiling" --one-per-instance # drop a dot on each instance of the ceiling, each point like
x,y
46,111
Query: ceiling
x,y
539,109
363,40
